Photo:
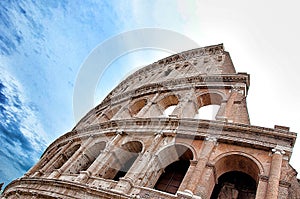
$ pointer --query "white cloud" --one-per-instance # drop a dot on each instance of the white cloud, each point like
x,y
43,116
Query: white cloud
x,y
262,38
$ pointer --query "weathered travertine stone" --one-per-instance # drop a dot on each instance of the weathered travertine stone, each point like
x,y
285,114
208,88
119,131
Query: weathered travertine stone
x,y
130,146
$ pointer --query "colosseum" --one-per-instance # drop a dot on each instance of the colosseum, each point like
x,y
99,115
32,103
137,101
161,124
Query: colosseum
x,y
149,139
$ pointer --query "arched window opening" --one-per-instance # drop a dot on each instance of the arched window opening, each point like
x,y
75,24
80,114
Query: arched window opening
x,y
51,155
63,158
168,104
137,106
125,158
237,174
208,112
208,106
176,161
87,158
172,177
109,114
167,72
208,99
168,111
125,167
235,184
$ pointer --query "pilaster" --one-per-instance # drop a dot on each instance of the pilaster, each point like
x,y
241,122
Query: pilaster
x,y
275,172
50,163
147,106
101,160
186,108
56,173
198,171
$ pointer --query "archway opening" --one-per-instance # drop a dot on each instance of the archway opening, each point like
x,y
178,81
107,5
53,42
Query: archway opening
x,y
174,172
125,167
86,159
137,106
126,156
208,112
237,174
109,114
234,184
172,177
63,158
168,104
168,111
208,106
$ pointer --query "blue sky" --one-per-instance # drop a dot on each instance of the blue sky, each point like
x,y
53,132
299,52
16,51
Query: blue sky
x,y
43,46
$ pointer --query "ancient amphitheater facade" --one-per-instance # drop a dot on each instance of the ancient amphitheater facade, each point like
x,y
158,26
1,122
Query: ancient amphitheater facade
x,y
148,139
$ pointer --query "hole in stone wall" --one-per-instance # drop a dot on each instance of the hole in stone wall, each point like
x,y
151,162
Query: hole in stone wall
x,y
109,114
171,179
86,159
64,157
174,172
168,111
208,112
126,155
137,106
234,184
125,167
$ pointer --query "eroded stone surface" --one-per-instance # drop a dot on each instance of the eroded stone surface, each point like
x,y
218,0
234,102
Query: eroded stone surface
x,y
123,147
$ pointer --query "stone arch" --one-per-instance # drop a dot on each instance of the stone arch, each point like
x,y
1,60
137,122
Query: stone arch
x,y
170,100
257,165
136,106
139,145
174,161
171,146
170,153
86,159
108,114
236,173
51,153
211,101
208,98
64,157
124,157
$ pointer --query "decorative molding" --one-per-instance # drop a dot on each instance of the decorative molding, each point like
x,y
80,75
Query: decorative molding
x,y
211,138
262,137
279,150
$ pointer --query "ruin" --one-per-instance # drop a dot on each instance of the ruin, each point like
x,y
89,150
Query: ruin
x,y
148,139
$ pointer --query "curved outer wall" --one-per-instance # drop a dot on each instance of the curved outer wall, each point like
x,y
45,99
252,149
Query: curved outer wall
x,y
125,146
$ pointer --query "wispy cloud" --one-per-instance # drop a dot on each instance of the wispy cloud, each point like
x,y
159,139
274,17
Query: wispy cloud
x,y
22,138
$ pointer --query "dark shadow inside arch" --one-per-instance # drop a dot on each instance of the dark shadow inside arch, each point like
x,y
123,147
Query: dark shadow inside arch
x,y
125,167
171,179
172,176
234,184
126,157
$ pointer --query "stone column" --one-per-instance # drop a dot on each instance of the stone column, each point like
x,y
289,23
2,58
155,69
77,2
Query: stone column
x,y
153,172
221,113
154,110
122,113
206,151
188,176
50,162
262,187
101,160
139,168
187,107
147,106
206,183
274,175
56,173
